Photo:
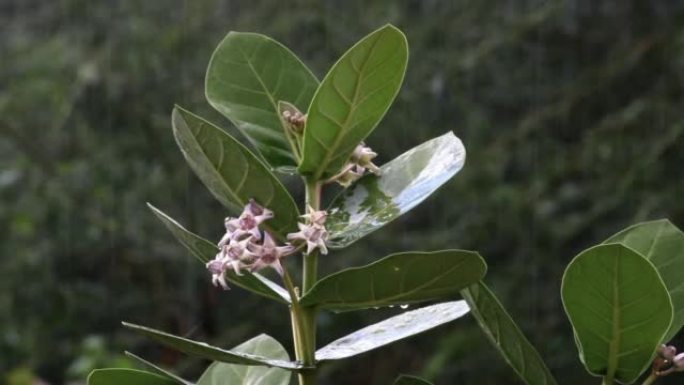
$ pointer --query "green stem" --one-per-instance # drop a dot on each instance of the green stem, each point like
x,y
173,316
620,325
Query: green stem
x,y
650,379
309,278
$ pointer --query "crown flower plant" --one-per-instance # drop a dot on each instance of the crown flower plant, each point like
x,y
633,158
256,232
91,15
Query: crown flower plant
x,y
622,297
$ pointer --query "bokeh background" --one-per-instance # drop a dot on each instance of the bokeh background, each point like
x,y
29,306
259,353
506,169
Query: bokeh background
x,y
572,113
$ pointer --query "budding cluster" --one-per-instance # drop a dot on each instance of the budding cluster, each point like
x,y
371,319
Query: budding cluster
x,y
359,161
295,119
245,247
668,361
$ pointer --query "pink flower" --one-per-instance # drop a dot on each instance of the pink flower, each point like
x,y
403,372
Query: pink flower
x,y
248,222
270,254
217,267
314,235
315,217
363,156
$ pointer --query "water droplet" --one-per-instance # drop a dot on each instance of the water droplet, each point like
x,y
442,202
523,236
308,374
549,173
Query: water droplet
x,y
396,268
404,306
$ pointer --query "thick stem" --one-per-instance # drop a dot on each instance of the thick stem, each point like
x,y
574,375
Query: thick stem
x,y
309,277
650,379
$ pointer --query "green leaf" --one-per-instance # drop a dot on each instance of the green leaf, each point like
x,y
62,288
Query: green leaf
x,y
231,172
203,350
247,75
662,243
404,182
392,329
205,251
351,100
117,376
619,309
506,337
220,373
402,278
160,371
410,380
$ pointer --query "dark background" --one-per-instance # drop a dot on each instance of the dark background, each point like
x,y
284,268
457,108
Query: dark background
x,y
571,111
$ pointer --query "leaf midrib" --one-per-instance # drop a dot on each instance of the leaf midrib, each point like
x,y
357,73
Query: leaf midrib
x,y
223,182
339,135
398,296
614,346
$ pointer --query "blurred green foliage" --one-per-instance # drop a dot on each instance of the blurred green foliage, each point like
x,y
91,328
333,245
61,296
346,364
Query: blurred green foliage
x,y
571,112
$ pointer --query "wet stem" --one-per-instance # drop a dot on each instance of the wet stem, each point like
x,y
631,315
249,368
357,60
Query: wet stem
x,y
304,318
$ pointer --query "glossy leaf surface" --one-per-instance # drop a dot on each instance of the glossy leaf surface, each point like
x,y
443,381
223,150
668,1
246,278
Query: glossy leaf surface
x,y
662,243
203,350
619,309
248,74
162,372
117,376
392,329
506,337
219,373
404,182
351,100
205,251
397,279
231,172
411,380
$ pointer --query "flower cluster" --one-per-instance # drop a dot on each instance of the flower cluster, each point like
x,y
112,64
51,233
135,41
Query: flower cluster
x,y
312,233
668,361
359,162
245,247
295,119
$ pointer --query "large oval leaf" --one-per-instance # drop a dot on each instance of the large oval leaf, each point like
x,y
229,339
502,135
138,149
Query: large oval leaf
x,y
205,251
231,172
506,337
352,98
404,182
248,74
619,309
220,373
411,380
392,329
402,278
162,372
662,243
117,376
204,350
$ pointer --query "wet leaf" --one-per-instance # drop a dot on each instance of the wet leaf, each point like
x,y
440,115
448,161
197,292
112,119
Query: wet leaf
x,y
231,172
220,373
403,278
619,309
117,376
205,251
506,337
392,329
206,351
404,182
247,75
351,100
662,243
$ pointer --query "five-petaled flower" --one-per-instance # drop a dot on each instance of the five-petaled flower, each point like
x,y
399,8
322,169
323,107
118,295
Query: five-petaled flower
x,y
243,247
269,254
313,232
